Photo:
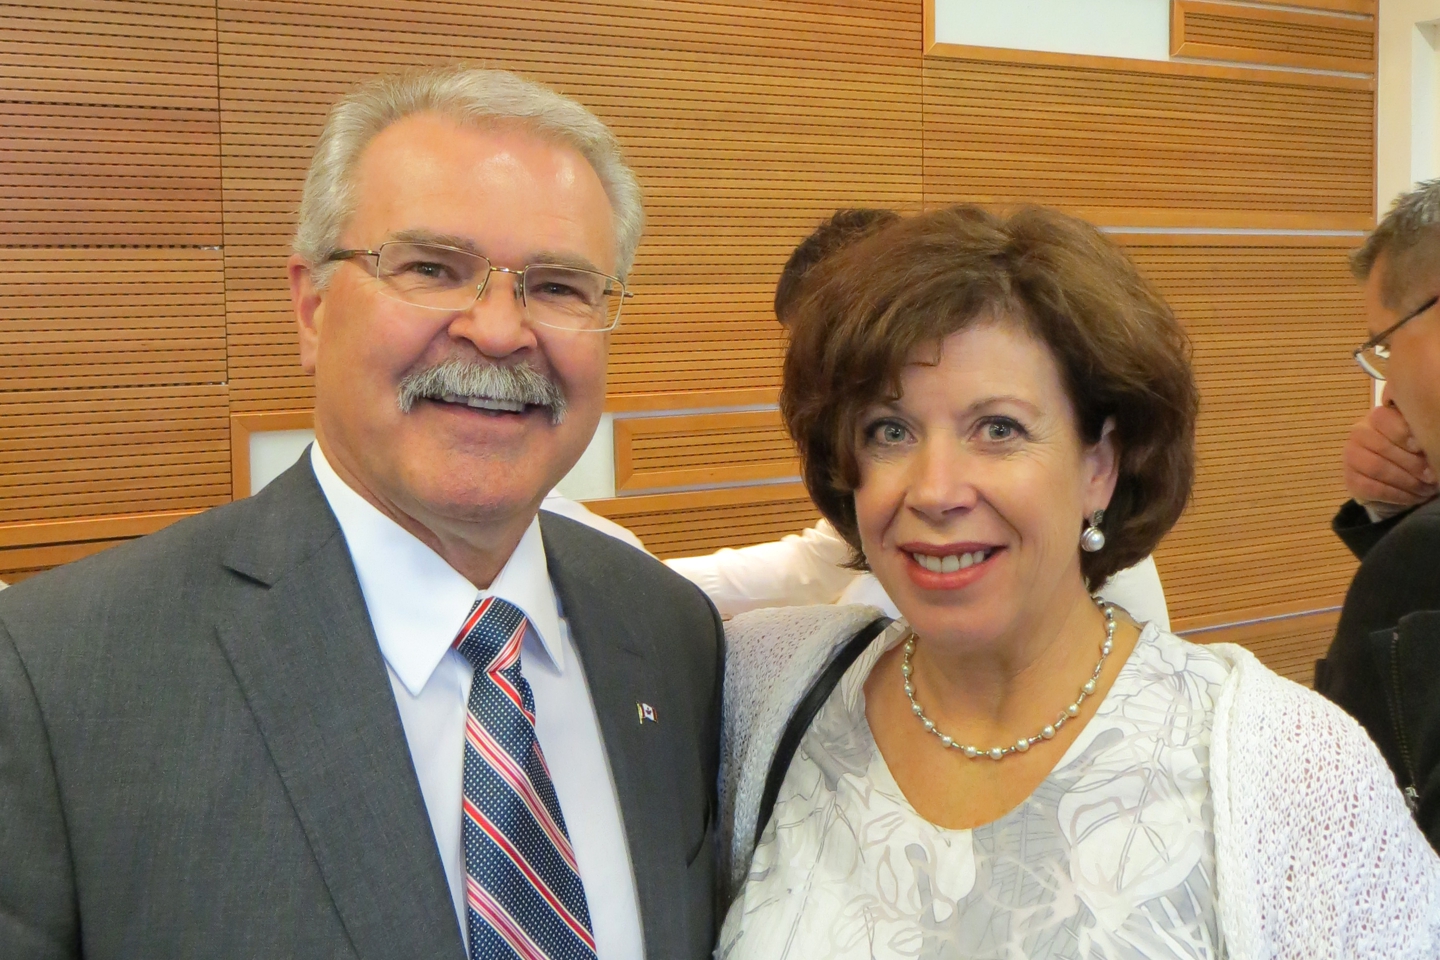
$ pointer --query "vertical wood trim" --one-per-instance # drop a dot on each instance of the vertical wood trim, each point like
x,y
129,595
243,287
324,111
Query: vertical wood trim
x,y
242,425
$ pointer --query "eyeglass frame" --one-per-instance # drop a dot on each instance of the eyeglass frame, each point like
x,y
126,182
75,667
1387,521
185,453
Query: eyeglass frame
x,y
1384,335
340,256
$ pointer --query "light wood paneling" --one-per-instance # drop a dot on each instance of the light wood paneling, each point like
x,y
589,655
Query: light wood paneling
x,y
684,524
1287,38
112,382
109,123
748,122
98,175
110,317
28,548
111,52
1289,646
711,448
1339,6
89,452
1273,321
1130,149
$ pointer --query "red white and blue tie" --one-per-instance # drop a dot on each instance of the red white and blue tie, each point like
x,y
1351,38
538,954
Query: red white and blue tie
x,y
522,886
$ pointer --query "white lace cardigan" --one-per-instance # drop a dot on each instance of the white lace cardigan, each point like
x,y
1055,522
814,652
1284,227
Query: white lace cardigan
x,y
1315,853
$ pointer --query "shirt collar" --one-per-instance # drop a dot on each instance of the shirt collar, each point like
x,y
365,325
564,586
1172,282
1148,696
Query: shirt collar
x,y
417,602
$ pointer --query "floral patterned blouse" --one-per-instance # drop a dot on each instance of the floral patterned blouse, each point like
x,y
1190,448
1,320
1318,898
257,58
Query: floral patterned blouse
x,y
1111,857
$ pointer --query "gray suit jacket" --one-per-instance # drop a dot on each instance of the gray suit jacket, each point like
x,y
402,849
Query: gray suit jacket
x,y
201,756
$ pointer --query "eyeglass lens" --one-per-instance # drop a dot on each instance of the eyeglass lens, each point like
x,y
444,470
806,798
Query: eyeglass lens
x,y
444,278
1373,359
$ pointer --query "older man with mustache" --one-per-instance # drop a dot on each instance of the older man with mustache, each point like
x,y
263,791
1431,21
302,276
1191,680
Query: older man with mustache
x,y
384,708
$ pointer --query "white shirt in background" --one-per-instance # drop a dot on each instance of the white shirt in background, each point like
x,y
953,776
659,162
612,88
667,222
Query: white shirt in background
x,y
417,603
805,568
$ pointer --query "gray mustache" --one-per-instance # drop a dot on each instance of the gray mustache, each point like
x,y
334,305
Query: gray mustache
x,y
513,384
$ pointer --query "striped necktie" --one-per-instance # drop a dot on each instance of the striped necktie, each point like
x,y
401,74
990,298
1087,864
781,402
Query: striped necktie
x,y
522,887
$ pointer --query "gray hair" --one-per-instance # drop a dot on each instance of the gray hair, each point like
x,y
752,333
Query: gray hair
x,y
1409,239
469,96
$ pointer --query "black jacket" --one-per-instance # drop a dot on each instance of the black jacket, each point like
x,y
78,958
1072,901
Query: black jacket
x,y
1383,666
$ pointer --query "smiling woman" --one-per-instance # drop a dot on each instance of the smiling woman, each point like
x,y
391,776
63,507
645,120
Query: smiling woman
x,y
997,414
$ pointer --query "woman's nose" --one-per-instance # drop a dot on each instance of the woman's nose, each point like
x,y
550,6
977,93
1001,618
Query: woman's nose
x,y
942,480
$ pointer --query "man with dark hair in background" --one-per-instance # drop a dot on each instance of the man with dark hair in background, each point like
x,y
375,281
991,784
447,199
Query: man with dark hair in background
x,y
1384,663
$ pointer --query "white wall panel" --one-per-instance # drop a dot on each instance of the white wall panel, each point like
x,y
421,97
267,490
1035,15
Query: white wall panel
x,y
1137,29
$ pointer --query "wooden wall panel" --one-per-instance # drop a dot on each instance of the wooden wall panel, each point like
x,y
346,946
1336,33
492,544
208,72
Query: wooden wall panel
x,y
115,450
685,524
101,175
29,548
1133,149
1273,321
1289,38
112,338
747,122
109,123
129,52
1289,646
704,449
110,317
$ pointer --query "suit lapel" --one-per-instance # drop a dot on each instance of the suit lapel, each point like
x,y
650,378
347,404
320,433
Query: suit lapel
x,y
300,642
620,672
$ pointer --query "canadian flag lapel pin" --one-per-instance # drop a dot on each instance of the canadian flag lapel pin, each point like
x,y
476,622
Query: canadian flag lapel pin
x,y
645,712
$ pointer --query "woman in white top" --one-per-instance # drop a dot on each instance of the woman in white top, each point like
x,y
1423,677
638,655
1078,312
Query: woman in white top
x,y
996,414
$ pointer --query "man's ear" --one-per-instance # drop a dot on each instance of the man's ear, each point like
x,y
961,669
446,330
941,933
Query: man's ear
x,y
307,301
1102,468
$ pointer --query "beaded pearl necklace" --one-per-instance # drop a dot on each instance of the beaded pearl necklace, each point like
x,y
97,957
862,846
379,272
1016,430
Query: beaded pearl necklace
x,y
1047,732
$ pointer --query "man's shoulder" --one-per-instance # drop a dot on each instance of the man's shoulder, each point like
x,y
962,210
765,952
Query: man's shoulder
x,y
569,542
1411,546
168,571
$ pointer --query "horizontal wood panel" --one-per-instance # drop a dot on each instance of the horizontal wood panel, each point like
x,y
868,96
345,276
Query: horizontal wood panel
x,y
109,52
1341,6
90,452
1272,324
1113,144
1289,646
98,174
110,317
1319,41
684,524
711,448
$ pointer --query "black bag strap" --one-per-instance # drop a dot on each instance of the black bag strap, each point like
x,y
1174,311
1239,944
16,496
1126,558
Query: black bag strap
x,y
804,714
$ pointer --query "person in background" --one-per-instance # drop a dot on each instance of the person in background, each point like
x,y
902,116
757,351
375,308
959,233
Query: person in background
x,y
1015,769
810,566
386,707
1383,665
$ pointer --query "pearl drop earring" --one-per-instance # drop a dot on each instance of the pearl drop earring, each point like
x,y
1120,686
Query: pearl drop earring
x,y
1092,539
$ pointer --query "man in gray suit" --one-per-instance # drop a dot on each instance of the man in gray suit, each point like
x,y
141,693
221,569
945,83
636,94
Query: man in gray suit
x,y
383,708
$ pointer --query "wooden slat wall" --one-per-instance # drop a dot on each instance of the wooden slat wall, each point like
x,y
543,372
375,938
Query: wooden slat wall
x,y
1125,148
1288,38
109,123
702,450
1289,646
681,524
1273,321
113,399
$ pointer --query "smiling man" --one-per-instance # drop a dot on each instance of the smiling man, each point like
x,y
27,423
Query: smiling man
x,y
1384,663
384,708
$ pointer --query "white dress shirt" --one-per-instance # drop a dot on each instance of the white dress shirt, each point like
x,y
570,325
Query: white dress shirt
x,y
417,603
805,568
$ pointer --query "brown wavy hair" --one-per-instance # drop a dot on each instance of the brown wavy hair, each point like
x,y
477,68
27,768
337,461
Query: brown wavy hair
x,y
870,307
